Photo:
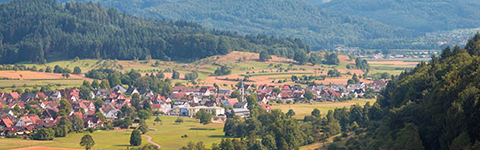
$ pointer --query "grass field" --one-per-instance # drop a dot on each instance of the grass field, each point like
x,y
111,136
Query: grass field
x,y
168,135
301,110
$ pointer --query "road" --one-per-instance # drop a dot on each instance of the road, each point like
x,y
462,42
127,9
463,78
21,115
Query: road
x,y
149,139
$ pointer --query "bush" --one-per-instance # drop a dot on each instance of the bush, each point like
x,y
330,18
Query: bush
x,y
336,139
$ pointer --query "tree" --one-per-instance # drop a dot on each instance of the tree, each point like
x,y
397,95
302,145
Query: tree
x,y
44,134
77,70
95,84
355,78
85,93
269,142
104,84
143,126
136,138
316,113
205,118
87,141
308,95
78,123
314,59
65,106
143,114
48,69
179,120
300,57
223,70
158,119
290,113
331,59
175,74
408,138
160,75
114,80
264,56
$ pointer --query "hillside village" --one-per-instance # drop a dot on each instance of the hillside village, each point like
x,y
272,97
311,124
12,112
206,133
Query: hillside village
x,y
23,114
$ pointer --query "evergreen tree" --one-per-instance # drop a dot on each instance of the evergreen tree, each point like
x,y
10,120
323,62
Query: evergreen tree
x,y
136,138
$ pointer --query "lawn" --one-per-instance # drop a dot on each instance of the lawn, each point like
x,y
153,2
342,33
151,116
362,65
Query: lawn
x,y
103,140
168,135
301,110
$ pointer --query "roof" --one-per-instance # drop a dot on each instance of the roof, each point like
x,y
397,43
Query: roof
x,y
266,107
14,95
8,123
232,101
183,89
119,88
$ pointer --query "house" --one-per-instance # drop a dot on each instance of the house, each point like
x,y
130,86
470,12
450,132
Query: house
x,y
13,95
24,121
230,102
6,123
28,96
162,107
103,93
109,111
54,95
93,121
87,105
266,107
132,90
119,88
176,96
240,105
211,110
243,112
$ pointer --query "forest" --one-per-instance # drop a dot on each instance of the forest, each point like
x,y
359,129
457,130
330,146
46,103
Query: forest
x,y
434,106
419,15
321,28
44,30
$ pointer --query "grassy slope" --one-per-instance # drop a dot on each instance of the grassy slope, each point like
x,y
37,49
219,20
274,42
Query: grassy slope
x,y
167,135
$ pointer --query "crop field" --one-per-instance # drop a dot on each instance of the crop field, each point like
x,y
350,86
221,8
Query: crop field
x,y
241,64
301,110
167,134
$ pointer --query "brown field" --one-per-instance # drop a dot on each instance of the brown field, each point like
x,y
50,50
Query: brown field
x,y
44,148
345,59
340,80
36,75
394,62
247,56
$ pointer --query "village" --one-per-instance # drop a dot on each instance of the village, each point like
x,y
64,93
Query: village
x,y
23,114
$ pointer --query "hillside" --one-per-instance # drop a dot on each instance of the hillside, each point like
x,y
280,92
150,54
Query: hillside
x,y
420,15
44,30
434,106
284,18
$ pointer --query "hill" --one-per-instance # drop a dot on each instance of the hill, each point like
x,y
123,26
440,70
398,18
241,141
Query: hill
x,y
44,30
284,18
434,106
420,15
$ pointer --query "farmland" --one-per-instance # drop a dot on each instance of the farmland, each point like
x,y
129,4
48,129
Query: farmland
x,y
276,71
301,110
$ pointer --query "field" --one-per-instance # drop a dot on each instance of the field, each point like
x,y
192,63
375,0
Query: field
x,y
168,135
301,110
241,64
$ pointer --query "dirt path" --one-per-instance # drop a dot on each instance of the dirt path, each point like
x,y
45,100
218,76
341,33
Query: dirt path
x,y
149,139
